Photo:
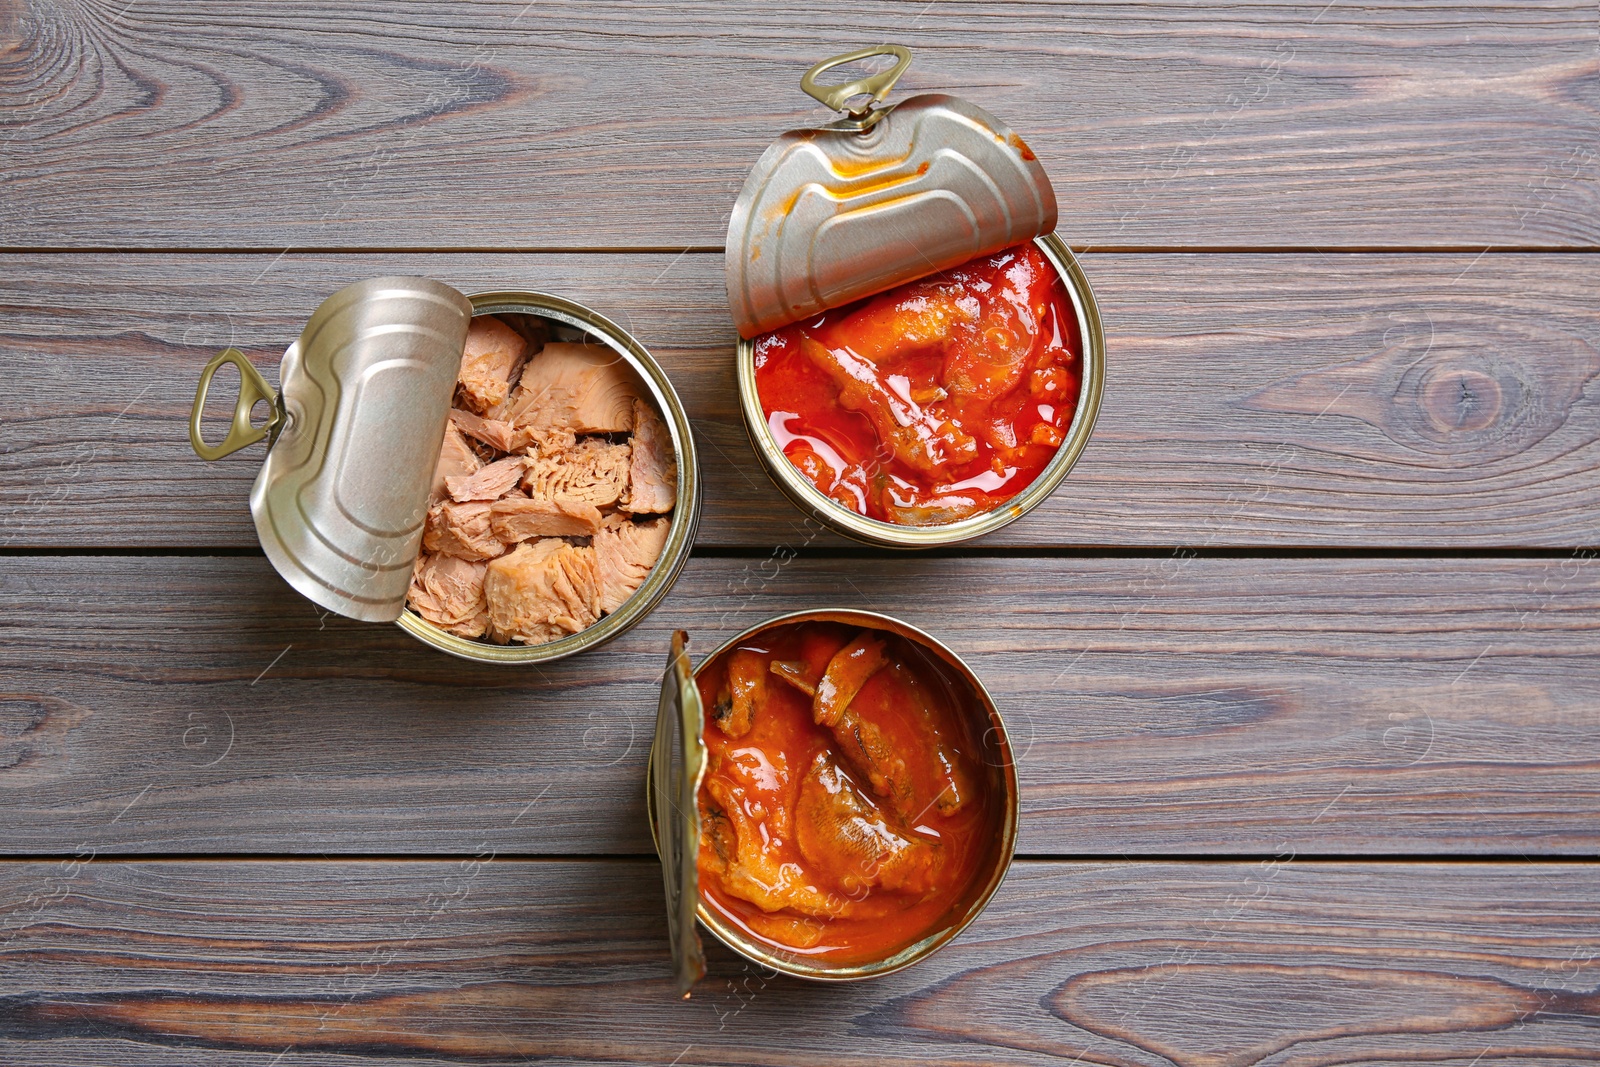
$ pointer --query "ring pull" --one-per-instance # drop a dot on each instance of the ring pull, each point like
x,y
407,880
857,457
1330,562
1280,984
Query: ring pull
x,y
253,388
876,86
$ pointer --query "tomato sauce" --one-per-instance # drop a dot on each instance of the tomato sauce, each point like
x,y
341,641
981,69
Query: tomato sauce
x,y
849,822
939,399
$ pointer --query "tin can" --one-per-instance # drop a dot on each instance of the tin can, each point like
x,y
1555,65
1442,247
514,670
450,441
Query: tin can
x,y
677,768
354,434
881,197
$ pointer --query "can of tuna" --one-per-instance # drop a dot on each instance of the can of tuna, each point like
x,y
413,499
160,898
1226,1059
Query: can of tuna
x,y
349,498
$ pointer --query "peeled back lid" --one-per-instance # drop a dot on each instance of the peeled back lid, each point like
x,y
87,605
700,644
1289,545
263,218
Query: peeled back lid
x,y
884,196
672,798
341,499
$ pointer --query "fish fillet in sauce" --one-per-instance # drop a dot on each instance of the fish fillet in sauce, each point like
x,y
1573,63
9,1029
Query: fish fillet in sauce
x,y
934,401
801,847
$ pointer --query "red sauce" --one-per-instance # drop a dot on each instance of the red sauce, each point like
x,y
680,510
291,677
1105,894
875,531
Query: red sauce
x,y
936,400
846,842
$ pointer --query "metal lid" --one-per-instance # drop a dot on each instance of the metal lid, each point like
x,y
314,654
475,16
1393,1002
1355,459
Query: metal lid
x,y
672,796
364,397
881,197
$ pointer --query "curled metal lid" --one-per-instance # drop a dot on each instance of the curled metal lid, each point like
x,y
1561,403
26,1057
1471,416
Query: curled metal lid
x,y
672,797
356,427
881,197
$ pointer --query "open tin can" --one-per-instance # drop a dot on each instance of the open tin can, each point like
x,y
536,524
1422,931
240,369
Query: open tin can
x,y
354,434
679,764
882,197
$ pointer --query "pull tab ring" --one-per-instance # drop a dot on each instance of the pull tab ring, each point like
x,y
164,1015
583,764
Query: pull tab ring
x,y
253,388
876,86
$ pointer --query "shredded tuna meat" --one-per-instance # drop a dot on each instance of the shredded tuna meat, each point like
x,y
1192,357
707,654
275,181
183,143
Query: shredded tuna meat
x,y
582,388
494,354
518,518
593,472
489,483
625,553
548,505
652,472
448,592
541,591
496,433
456,459
461,530
532,328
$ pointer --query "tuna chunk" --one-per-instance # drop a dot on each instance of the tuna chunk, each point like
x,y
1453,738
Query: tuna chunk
x,y
582,388
519,519
498,435
531,327
592,472
495,353
461,530
541,591
624,554
448,592
652,470
489,483
564,424
456,459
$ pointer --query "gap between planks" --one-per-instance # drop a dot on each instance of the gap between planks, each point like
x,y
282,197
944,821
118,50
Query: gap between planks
x,y
669,250
866,553
1332,858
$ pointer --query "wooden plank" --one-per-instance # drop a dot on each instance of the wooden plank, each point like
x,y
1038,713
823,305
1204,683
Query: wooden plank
x,y
1121,965
1361,401
1158,706
256,124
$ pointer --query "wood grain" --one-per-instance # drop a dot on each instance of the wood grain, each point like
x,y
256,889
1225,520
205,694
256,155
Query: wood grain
x,y
1157,706
165,165
254,124
1343,400
1120,965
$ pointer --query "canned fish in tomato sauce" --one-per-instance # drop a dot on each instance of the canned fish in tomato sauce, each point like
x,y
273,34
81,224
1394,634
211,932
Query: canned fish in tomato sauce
x,y
832,794
920,358
352,492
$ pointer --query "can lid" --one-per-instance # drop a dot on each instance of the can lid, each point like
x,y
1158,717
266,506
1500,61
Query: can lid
x,y
672,795
881,197
365,393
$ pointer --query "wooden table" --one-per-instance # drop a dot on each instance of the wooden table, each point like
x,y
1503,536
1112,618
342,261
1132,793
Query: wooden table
x,y
1302,660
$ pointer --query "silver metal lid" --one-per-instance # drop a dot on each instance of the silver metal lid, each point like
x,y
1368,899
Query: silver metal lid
x,y
364,396
672,799
881,197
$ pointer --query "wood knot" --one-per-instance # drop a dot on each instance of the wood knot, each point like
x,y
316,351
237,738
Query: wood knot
x,y
33,736
20,715
1462,394
1243,1003
1460,399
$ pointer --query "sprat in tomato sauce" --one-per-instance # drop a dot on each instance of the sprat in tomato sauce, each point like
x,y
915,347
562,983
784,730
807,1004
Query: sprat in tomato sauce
x,y
933,401
846,811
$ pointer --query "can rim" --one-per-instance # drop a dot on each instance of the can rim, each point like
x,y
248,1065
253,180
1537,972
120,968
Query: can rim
x,y
685,509
859,527
1010,820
